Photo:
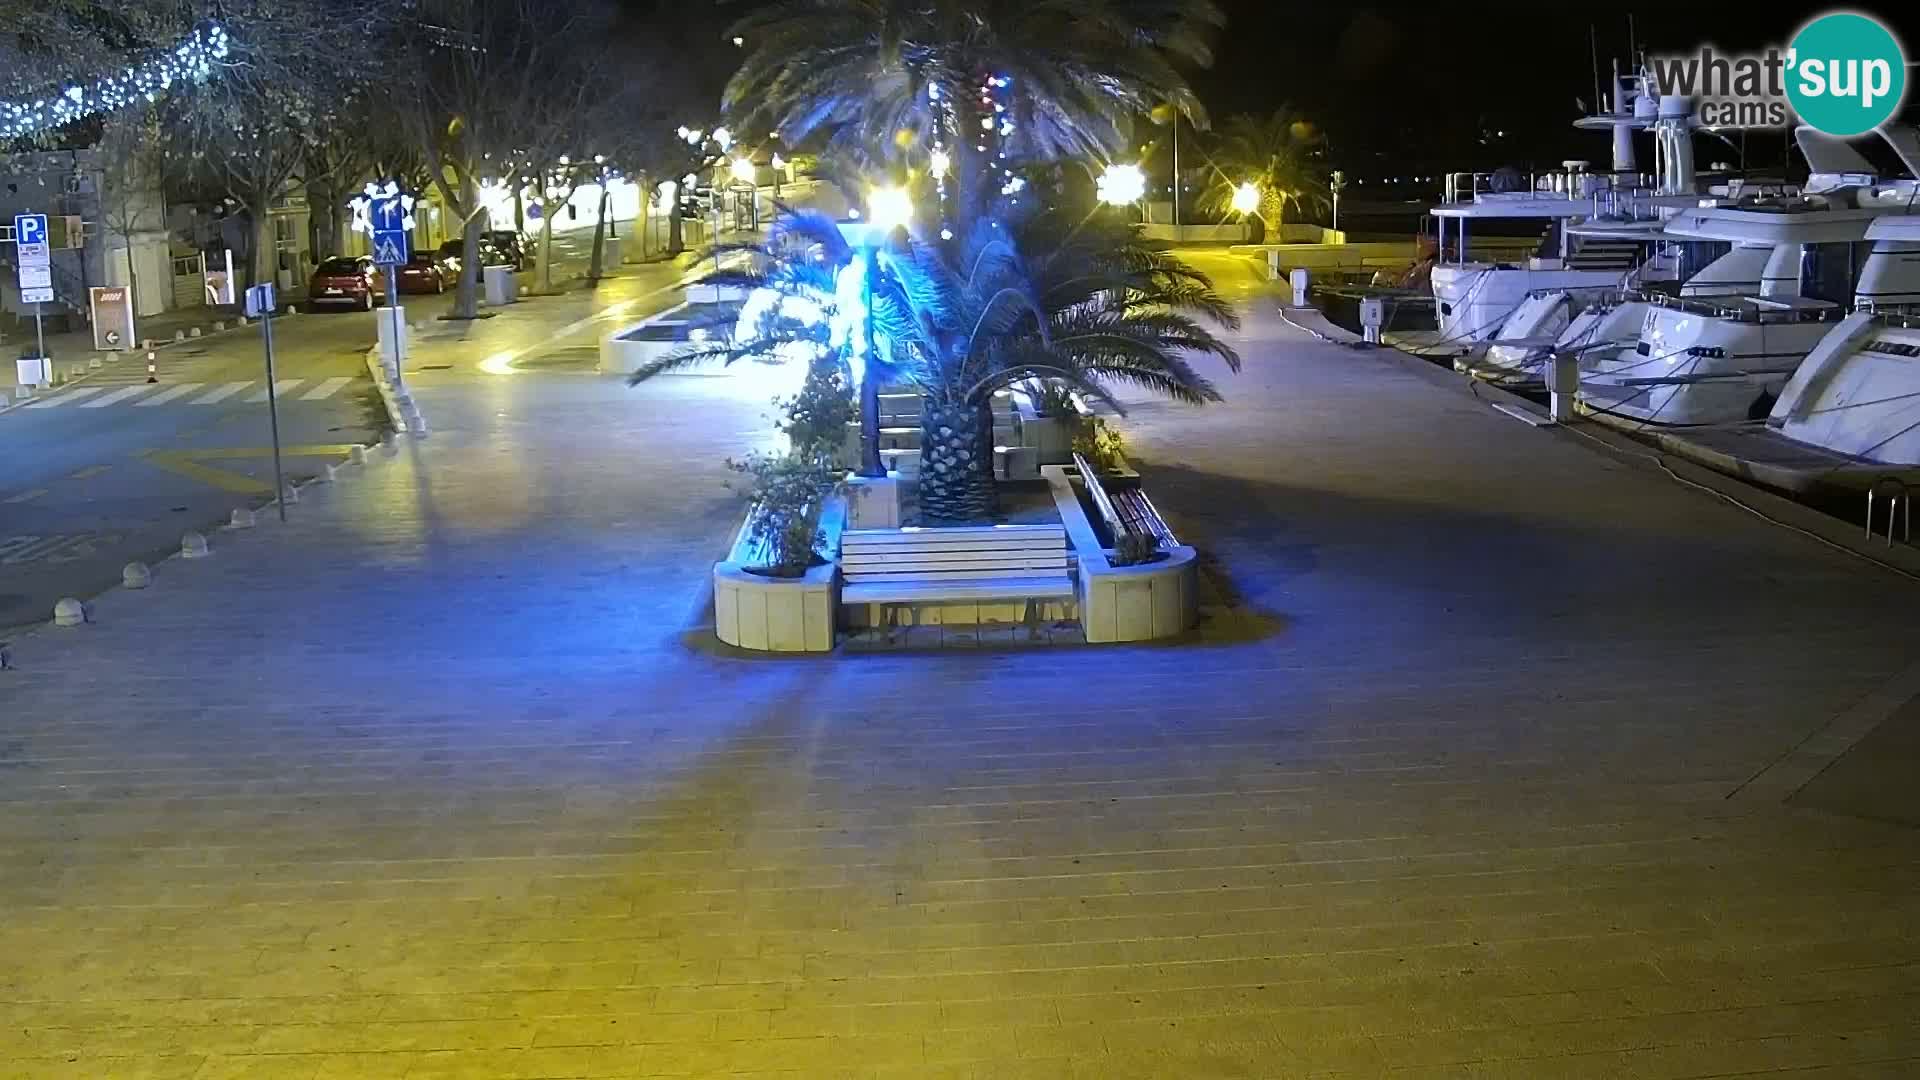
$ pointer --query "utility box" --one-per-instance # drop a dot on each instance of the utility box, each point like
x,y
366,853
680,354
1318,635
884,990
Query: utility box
x,y
34,371
610,252
500,287
1373,318
1299,278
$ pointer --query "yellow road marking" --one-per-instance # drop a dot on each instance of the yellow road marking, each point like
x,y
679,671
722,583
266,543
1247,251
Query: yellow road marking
x,y
27,496
187,463
91,470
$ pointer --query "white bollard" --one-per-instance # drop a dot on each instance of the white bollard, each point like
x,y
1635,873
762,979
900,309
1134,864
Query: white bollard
x,y
1563,385
194,333
193,546
95,363
135,575
357,456
290,496
69,612
179,335
242,519
219,325
1300,279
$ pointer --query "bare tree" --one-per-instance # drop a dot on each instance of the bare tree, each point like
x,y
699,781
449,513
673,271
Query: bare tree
x,y
130,197
483,73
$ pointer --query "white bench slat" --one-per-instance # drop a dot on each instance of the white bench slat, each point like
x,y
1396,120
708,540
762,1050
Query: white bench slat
x,y
981,574
1011,551
904,592
852,564
961,530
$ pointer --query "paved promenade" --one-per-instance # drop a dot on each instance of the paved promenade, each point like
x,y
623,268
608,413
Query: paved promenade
x,y
1480,768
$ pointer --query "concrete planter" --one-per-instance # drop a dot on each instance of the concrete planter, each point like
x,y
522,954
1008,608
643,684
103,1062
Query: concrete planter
x,y
630,348
768,614
1125,603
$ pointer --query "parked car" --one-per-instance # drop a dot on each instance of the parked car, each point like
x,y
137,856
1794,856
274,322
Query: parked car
x,y
347,281
501,247
425,273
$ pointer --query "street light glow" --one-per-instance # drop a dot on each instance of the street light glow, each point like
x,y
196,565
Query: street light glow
x,y
889,207
938,162
1121,185
1246,198
743,170
723,137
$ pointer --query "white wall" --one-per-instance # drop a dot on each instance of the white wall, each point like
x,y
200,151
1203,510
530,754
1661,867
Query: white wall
x,y
153,263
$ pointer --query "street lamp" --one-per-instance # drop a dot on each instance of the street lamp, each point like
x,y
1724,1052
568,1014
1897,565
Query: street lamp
x,y
888,208
743,170
1121,185
1246,198
1339,181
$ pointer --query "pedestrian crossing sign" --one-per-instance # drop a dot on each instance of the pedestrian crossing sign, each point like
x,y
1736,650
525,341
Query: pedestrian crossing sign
x,y
390,247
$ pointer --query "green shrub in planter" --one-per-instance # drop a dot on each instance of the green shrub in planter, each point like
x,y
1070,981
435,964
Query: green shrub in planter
x,y
1134,549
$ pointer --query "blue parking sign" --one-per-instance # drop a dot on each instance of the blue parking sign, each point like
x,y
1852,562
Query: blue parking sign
x,y
30,228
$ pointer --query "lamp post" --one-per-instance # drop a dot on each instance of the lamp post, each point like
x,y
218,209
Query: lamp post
x,y
888,208
1339,181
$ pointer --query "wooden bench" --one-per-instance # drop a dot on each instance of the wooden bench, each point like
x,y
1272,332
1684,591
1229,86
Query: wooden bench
x,y
1126,510
926,566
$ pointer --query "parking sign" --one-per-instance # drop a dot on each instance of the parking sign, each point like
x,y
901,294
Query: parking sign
x,y
34,261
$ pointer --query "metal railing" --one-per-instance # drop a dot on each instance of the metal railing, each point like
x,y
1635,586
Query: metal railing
x,y
1749,309
1899,507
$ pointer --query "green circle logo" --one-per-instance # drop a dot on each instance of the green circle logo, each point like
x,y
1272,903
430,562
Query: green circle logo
x,y
1846,74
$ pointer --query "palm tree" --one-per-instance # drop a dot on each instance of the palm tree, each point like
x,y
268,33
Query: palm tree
x,y
885,76
1084,306
1275,153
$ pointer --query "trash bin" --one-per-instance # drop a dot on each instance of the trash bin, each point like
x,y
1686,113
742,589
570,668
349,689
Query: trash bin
x,y
500,287
32,369
610,255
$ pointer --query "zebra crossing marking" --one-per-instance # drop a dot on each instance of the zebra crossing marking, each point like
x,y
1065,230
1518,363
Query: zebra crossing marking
x,y
226,390
168,394
58,400
326,389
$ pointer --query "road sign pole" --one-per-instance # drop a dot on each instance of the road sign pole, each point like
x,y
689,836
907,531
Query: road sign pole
x,y
39,336
399,350
273,415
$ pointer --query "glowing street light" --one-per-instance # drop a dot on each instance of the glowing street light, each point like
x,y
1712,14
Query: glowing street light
x,y
743,170
723,137
1121,185
938,162
889,207
1246,198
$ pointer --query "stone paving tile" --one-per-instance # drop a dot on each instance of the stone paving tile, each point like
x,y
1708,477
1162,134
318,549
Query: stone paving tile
x,y
447,781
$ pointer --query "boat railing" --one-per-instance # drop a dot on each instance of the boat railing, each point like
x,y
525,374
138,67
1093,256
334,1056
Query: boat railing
x,y
1611,198
1754,309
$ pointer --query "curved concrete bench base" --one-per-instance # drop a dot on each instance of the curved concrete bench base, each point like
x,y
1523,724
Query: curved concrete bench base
x,y
1125,603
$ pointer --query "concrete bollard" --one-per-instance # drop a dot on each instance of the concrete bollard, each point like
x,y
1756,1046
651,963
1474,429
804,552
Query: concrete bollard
x,y
194,333
357,456
193,546
290,495
136,575
94,363
179,335
22,393
242,519
69,612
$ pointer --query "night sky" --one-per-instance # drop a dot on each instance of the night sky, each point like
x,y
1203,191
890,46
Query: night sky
x,y
1414,87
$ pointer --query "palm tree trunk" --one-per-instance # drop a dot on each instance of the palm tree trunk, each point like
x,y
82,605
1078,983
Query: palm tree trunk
x,y
1273,214
956,463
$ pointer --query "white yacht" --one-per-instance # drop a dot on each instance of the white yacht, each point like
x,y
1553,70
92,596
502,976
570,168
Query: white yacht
x,y
1695,263
1858,393
1473,296
1715,359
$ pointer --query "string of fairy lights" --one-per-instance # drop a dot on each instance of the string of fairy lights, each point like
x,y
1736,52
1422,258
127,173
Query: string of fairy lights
x,y
191,62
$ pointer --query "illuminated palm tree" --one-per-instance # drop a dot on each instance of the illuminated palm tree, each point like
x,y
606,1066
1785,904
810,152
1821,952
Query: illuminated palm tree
x,y
886,77
1277,155
1084,306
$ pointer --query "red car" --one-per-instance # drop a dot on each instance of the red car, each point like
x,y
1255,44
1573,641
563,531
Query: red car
x,y
425,274
347,282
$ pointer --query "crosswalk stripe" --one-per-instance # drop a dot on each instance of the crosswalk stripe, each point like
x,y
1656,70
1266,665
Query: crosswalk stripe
x,y
225,391
119,395
325,390
280,389
61,399
169,394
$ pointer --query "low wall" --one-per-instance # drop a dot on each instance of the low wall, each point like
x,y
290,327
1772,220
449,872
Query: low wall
x,y
1225,233
1373,255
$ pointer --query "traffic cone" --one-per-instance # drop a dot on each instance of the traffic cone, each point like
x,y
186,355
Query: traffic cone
x,y
152,369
